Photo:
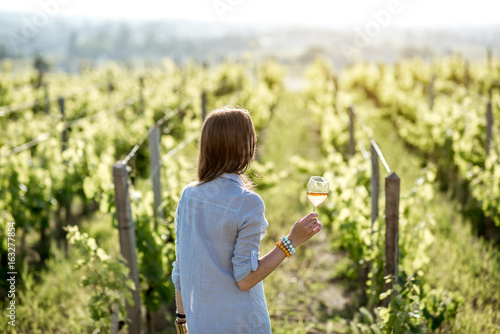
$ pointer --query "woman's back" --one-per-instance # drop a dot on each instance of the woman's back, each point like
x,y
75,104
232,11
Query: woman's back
x,y
219,227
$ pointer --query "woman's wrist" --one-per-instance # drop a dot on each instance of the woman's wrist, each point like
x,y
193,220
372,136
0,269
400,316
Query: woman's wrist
x,y
180,317
293,240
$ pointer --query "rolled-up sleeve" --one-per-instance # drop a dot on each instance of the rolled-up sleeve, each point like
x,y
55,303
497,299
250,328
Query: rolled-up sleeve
x,y
251,231
176,272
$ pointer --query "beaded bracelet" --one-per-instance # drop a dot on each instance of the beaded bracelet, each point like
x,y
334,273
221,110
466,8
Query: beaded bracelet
x,y
280,245
288,245
181,327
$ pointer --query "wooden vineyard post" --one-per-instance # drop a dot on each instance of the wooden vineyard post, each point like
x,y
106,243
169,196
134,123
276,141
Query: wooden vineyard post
x,y
488,221
203,105
141,94
431,92
467,75
335,94
111,87
392,185
351,131
67,205
489,125
240,83
126,230
375,186
183,83
64,138
489,55
46,97
154,162
114,319
240,87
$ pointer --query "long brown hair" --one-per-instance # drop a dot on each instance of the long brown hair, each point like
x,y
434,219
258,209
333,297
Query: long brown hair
x,y
227,143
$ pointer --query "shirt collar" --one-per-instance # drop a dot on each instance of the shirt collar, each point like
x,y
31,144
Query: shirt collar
x,y
234,177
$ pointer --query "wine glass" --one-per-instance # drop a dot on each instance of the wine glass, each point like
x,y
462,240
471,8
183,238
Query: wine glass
x,y
317,190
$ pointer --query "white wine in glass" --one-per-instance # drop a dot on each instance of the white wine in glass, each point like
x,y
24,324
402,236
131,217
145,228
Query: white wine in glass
x,y
317,190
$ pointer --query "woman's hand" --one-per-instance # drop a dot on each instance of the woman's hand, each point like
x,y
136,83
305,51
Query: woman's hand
x,y
304,229
181,326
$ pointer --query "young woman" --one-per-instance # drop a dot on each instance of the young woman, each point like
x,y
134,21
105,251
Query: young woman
x,y
219,225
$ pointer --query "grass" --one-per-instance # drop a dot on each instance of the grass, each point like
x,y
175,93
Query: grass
x,y
301,294
53,301
462,266
305,294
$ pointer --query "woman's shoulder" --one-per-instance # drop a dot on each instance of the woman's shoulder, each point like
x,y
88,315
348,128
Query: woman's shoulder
x,y
252,209
191,184
252,199
224,192
188,187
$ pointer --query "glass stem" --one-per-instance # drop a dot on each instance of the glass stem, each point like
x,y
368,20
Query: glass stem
x,y
314,208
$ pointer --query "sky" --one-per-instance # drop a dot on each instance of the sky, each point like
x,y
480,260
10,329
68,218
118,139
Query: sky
x,y
310,12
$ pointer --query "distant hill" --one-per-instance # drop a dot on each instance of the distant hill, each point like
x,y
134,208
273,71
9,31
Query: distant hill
x,y
67,40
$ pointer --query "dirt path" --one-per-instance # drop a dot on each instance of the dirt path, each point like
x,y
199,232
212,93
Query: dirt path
x,y
303,294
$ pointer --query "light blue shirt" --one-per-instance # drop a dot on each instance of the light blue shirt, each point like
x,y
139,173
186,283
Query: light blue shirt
x,y
219,227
